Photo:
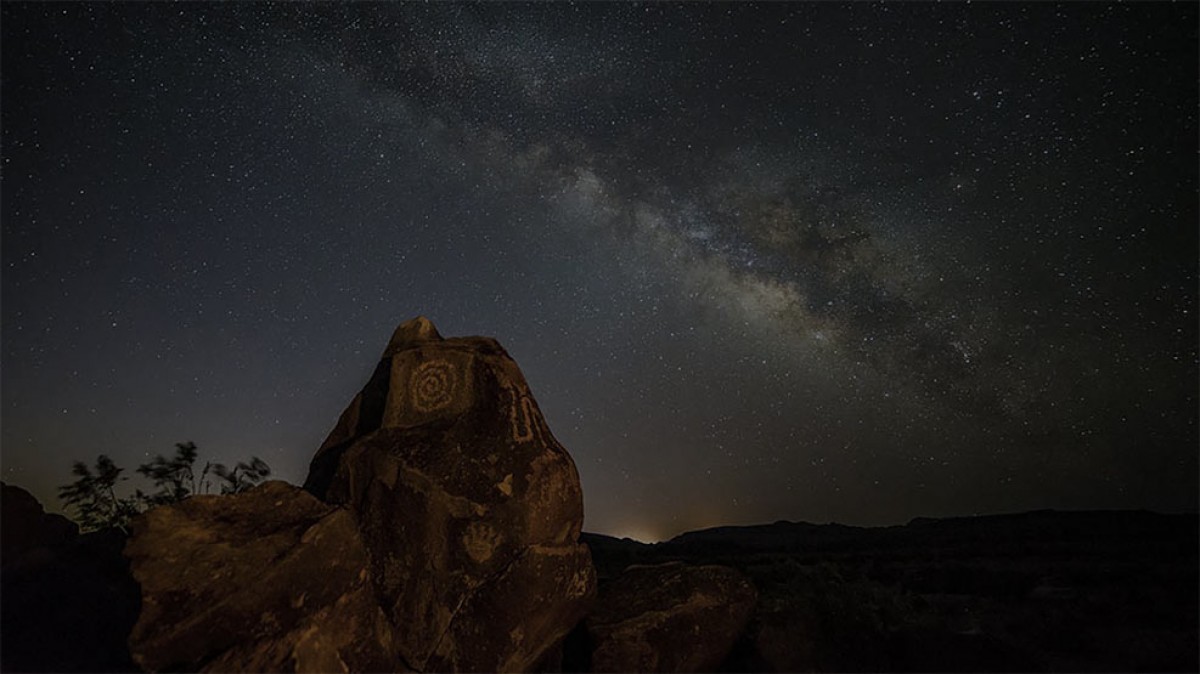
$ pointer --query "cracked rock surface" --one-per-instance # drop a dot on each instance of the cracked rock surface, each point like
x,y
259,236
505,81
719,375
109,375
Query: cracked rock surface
x,y
449,520
267,580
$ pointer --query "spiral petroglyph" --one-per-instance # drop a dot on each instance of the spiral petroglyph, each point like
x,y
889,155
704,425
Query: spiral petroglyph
x,y
432,386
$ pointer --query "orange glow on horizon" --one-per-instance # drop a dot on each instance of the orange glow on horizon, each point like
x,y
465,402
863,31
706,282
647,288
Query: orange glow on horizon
x,y
639,534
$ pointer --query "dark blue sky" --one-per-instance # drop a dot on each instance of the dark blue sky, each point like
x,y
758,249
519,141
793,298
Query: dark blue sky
x,y
790,261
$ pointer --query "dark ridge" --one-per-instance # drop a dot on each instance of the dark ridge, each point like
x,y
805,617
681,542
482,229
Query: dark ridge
x,y
1047,590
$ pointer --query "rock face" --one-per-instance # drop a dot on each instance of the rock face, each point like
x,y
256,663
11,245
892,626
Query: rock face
x,y
669,618
438,530
469,509
267,580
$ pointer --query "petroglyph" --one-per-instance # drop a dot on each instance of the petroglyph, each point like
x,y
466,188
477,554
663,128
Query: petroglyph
x,y
481,541
432,386
580,584
506,485
523,414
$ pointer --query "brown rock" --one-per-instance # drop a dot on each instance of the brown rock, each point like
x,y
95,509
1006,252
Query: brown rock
x,y
469,509
669,618
443,536
267,580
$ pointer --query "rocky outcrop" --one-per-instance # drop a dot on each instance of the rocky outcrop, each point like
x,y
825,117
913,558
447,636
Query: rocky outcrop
x,y
66,605
27,525
267,580
66,600
438,531
470,510
668,618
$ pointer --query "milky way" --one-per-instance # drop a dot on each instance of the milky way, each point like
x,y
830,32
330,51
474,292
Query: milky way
x,y
789,261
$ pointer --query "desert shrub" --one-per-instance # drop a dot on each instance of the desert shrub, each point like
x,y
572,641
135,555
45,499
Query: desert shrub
x,y
96,505
94,498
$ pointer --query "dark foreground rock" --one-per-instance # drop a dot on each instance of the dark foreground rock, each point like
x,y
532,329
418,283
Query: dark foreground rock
x,y
1038,591
67,606
438,531
665,618
27,525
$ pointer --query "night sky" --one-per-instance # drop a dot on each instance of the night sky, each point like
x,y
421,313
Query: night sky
x,y
822,262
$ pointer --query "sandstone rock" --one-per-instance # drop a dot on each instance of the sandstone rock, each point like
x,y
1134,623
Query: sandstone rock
x,y
267,580
669,618
469,509
444,536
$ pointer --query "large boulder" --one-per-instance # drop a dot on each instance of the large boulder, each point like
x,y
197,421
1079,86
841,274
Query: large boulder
x,y
469,509
668,618
438,531
267,580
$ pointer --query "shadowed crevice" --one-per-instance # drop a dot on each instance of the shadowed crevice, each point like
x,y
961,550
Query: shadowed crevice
x,y
374,399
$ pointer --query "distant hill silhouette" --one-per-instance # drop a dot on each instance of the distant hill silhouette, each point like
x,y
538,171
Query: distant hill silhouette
x,y
1047,590
1045,526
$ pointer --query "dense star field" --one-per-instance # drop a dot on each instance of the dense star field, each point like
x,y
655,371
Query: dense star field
x,y
824,262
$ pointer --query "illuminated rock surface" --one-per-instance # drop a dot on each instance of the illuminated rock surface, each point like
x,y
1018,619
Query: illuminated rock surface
x,y
267,580
443,536
469,508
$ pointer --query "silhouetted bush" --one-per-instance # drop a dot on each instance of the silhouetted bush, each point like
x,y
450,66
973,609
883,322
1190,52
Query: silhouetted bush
x,y
93,495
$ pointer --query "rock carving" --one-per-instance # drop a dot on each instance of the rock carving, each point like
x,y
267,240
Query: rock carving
x,y
439,518
432,386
